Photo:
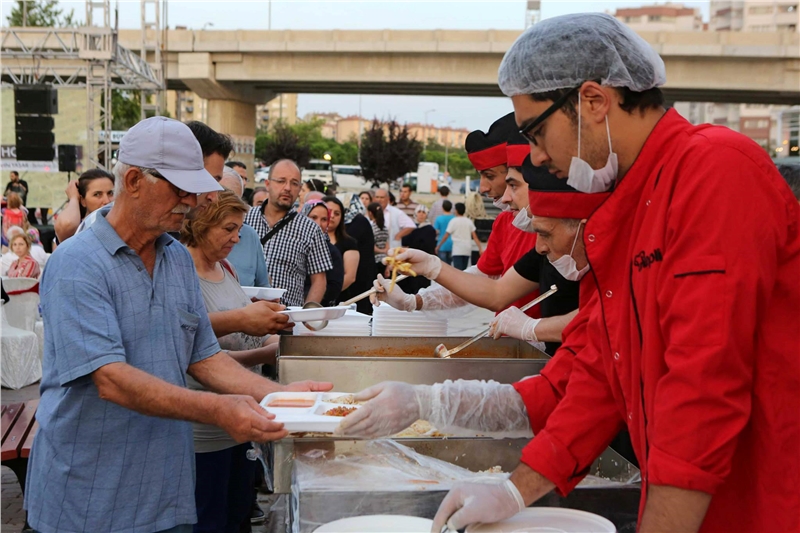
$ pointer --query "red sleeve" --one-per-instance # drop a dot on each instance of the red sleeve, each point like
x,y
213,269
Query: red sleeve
x,y
575,436
719,269
491,262
542,393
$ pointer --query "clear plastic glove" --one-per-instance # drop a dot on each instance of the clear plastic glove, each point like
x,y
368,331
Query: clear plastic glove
x,y
514,323
482,406
422,263
438,300
392,407
469,503
397,298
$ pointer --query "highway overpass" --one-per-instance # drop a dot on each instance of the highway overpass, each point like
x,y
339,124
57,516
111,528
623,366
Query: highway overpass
x,y
249,65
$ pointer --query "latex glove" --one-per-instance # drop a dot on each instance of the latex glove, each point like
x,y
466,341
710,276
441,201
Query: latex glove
x,y
422,263
392,407
469,503
514,323
397,298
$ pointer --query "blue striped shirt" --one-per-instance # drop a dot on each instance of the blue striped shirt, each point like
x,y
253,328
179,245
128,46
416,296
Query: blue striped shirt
x,y
97,466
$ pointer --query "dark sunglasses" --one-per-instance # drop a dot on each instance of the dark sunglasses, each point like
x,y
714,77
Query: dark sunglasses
x,y
528,131
153,172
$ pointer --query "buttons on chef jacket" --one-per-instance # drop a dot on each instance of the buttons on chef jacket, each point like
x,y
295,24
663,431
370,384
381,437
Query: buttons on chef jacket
x,y
590,237
609,294
616,356
647,203
630,415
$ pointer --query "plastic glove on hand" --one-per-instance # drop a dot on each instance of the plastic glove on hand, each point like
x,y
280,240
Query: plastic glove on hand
x,y
469,503
392,407
422,263
514,323
397,298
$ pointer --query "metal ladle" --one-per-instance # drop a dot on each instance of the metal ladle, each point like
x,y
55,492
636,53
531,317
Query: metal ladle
x,y
318,324
442,352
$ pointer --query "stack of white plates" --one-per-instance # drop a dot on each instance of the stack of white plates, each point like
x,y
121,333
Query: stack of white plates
x,y
389,322
352,324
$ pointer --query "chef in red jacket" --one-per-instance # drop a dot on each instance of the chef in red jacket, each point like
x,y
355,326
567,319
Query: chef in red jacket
x,y
559,213
695,343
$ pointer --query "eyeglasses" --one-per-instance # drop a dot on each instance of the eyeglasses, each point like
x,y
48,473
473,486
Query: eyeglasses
x,y
281,182
153,172
528,131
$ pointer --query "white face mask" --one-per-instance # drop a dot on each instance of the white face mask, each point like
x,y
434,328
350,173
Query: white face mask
x,y
582,177
523,221
500,205
566,265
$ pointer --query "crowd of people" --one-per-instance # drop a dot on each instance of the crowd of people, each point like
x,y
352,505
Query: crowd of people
x,y
673,332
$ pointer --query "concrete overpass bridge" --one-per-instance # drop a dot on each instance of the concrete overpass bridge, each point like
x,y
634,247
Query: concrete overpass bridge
x,y
249,65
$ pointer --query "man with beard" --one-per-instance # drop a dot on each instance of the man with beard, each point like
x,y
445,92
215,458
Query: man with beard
x,y
294,246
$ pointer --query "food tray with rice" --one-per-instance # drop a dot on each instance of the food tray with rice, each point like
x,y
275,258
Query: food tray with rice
x,y
315,412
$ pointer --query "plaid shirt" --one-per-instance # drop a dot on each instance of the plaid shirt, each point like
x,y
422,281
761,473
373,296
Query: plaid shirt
x,y
298,250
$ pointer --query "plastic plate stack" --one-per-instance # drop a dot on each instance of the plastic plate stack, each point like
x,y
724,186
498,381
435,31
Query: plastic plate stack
x,y
352,324
389,322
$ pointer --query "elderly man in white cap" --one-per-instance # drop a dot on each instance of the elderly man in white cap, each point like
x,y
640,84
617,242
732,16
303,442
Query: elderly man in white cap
x,y
694,346
125,325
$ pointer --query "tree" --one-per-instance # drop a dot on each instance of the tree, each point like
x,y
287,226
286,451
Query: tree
x,y
40,13
127,109
387,152
282,143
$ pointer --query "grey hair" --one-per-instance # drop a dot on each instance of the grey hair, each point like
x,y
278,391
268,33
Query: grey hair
x,y
120,169
228,172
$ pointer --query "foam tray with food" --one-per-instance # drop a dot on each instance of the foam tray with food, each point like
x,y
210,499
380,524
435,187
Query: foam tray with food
x,y
319,412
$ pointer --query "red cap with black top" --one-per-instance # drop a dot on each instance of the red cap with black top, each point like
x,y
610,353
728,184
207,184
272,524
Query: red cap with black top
x,y
487,150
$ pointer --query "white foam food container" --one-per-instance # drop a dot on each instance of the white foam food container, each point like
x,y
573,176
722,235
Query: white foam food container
x,y
548,520
263,293
309,415
378,524
298,314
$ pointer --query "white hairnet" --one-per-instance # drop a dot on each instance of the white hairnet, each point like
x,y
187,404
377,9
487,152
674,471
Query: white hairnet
x,y
563,52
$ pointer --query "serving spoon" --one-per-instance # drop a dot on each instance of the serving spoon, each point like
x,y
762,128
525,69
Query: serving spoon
x,y
442,352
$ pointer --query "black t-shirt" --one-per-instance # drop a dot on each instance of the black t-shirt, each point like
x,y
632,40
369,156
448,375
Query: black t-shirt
x,y
333,277
361,230
535,267
20,187
346,245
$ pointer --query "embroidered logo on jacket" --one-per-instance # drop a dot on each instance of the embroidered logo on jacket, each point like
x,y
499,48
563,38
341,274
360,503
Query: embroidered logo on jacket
x,y
645,260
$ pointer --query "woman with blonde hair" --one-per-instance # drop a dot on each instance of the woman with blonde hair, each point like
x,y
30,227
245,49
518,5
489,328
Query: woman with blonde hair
x,y
225,476
14,214
475,207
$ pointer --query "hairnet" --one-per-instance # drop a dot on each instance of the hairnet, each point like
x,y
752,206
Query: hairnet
x,y
563,52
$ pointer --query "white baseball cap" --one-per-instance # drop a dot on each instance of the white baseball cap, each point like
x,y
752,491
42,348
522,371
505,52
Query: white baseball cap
x,y
170,147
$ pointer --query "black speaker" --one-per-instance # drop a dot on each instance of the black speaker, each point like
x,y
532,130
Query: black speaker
x,y
36,153
28,123
35,100
67,157
33,139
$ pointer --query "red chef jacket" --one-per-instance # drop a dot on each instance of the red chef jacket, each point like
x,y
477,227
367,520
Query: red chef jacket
x,y
506,246
696,342
541,393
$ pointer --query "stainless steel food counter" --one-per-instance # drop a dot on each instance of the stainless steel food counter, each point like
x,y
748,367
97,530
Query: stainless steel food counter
x,y
354,363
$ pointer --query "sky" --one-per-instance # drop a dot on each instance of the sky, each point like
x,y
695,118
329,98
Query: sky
x,y
466,112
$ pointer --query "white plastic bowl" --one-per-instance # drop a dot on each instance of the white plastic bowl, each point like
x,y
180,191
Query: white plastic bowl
x,y
298,314
548,520
263,294
378,524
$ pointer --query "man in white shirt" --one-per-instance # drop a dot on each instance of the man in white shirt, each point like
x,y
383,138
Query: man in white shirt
x,y
399,223
461,229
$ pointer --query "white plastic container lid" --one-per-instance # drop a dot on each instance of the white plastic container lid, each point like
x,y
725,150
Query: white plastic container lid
x,y
548,520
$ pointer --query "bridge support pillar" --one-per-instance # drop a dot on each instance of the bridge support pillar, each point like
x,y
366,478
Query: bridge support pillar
x,y
237,119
